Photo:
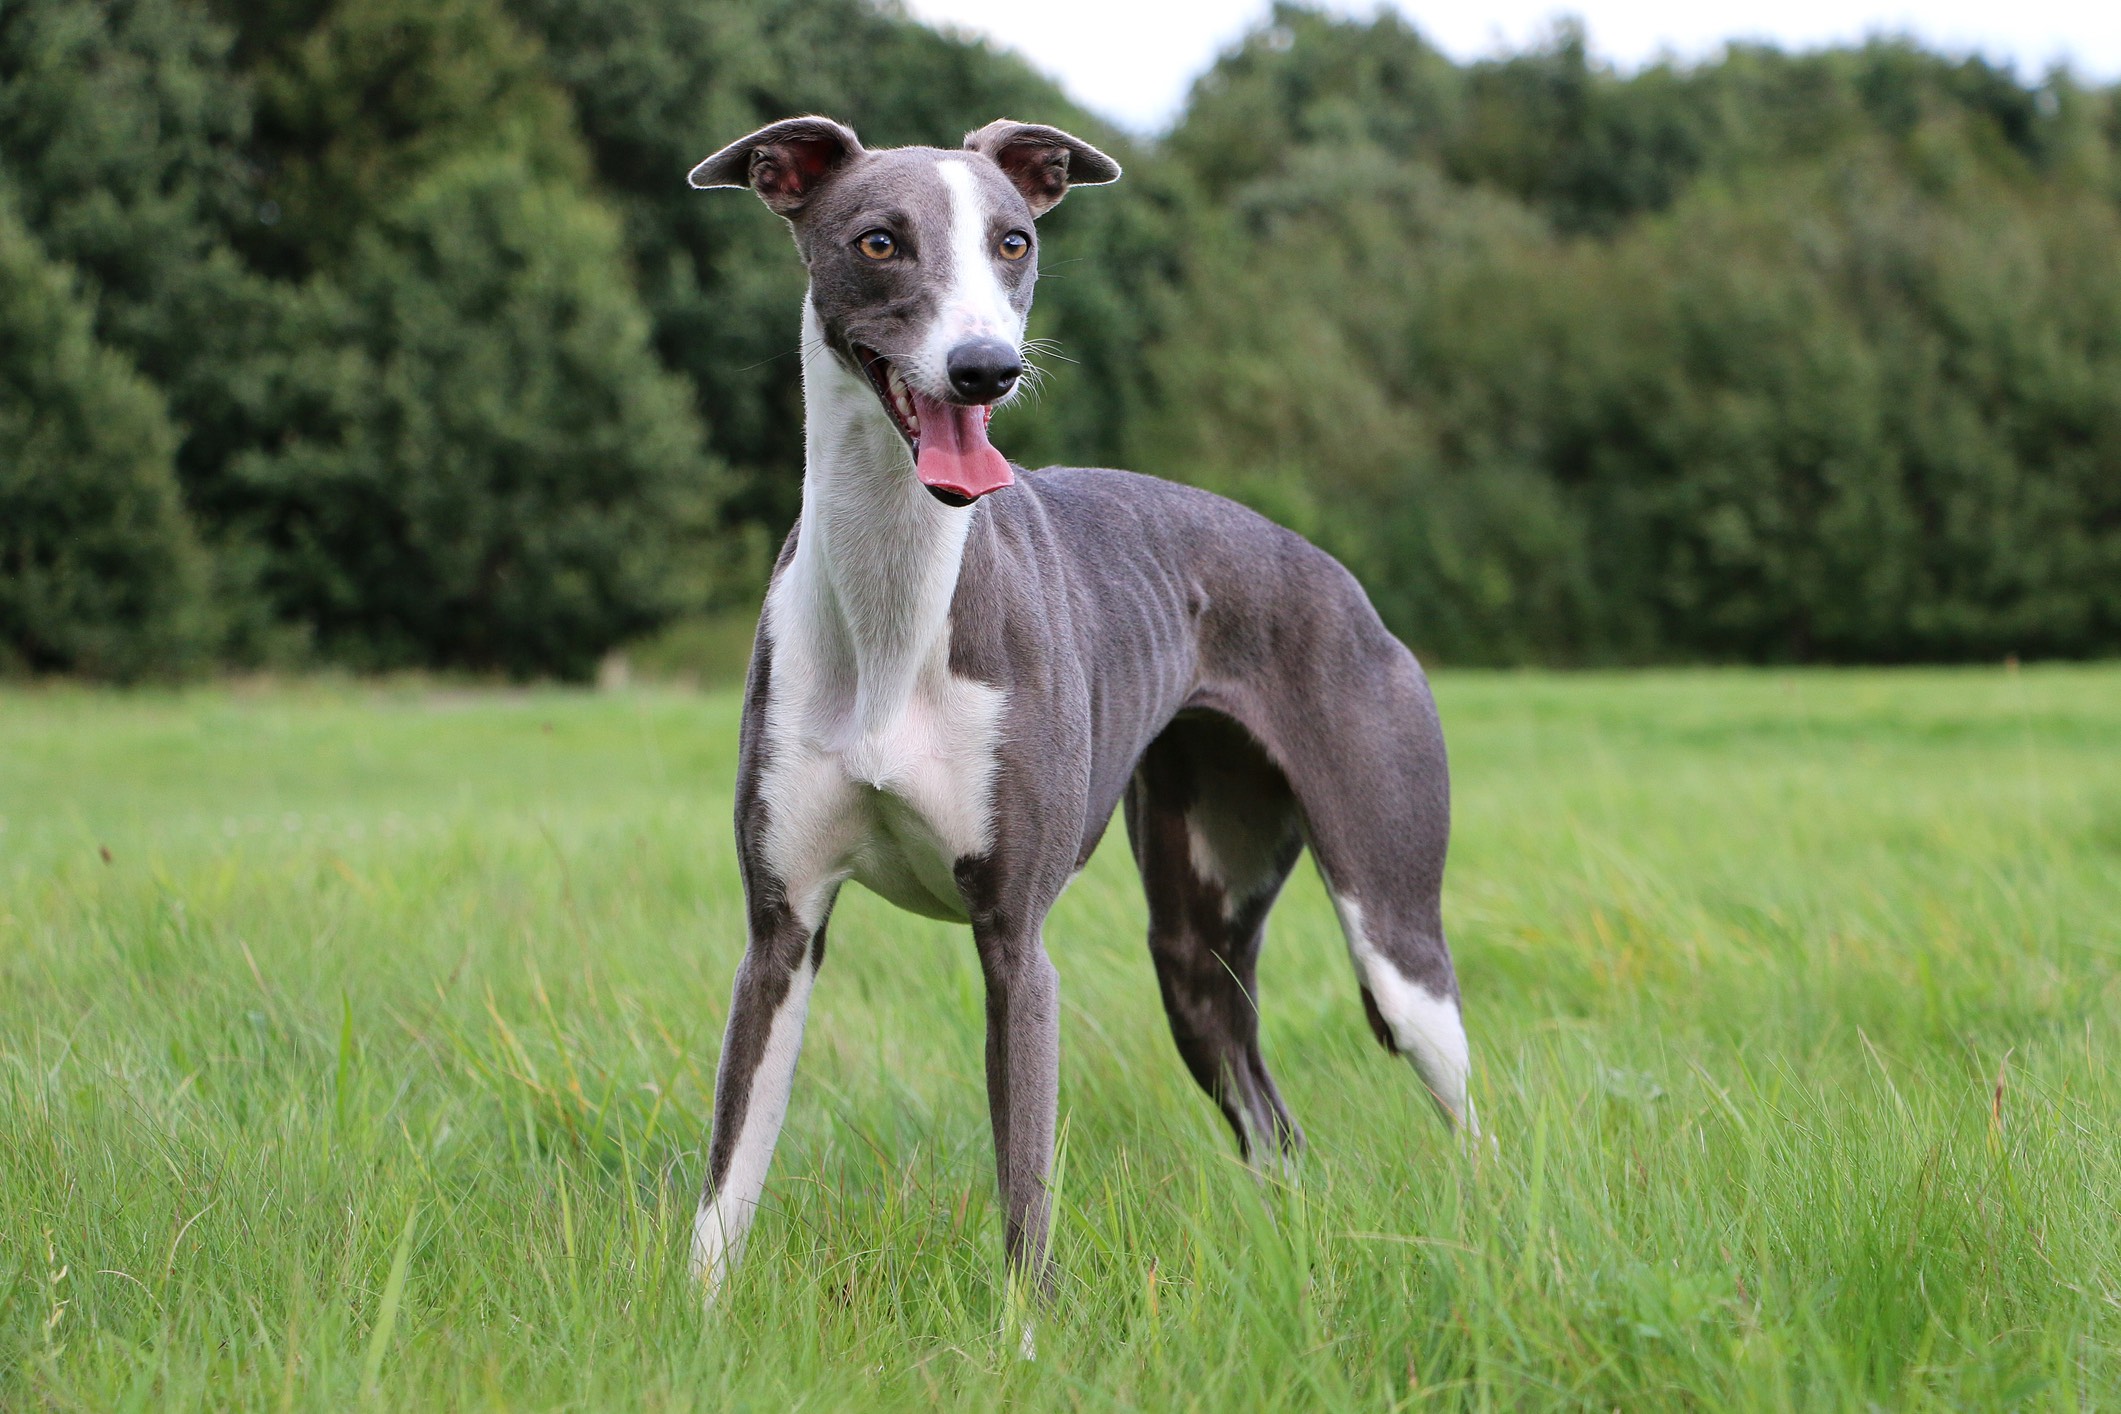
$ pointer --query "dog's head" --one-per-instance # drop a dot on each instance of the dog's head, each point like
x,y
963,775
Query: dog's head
x,y
921,266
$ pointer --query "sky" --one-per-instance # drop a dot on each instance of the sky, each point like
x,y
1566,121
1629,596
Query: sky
x,y
1132,60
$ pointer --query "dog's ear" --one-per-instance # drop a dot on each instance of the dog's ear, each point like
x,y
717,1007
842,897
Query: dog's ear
x,y
1043,162
784,163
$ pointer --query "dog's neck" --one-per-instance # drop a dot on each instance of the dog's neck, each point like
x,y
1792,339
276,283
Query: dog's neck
x,y
877,556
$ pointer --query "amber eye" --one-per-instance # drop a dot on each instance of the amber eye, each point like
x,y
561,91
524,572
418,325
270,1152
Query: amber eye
x,y
1015,246
877,245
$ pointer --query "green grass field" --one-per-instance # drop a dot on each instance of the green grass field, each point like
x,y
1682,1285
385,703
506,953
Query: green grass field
x,y
356,1046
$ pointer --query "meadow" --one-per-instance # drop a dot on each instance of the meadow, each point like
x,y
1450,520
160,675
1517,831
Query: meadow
x,y
356,1045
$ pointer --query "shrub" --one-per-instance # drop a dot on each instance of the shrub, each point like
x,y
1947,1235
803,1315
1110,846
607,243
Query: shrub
x,y
99,570
495,473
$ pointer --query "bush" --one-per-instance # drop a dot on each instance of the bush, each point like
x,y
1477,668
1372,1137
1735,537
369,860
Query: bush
x,y
1679,370
99,570
124,128
496,473
1784,356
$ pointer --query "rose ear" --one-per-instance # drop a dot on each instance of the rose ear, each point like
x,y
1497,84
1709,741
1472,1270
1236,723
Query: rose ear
x,y
785,163
1042,162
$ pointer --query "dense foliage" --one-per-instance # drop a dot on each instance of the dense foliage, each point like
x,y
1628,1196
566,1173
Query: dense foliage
x,y
1781,357
99,570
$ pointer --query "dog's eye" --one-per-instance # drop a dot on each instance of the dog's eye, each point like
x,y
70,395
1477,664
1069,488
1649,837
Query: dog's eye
x,y
877,245
1015,246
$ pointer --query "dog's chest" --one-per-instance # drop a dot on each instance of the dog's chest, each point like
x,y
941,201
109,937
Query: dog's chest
x,y
891,792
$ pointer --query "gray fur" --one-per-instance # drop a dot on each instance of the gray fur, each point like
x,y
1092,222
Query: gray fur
x,y
1156,645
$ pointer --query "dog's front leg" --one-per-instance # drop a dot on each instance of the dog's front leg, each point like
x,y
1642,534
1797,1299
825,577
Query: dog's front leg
x,y
1023,1089
759,1051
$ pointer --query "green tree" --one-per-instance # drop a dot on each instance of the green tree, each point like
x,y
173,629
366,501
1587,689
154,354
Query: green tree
x,y
99,569
1777,356
479,461
124,128
370,95
495,472
1773,358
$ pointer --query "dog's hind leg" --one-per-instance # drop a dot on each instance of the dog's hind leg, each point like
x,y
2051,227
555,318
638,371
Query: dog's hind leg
x,y
1367,762
1215,831
1410,1014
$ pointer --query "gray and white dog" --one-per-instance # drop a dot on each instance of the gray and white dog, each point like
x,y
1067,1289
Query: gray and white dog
x,y
963,667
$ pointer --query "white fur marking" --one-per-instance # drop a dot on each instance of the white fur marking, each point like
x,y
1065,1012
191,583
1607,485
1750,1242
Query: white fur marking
x,y
975,305
1201,851
719,1230
1208,867
879,761
1426,1028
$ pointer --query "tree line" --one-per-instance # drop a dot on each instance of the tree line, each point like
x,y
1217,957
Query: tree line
x,y
386,333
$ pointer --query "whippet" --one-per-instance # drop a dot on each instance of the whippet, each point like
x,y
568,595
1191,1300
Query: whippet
x,y
963,667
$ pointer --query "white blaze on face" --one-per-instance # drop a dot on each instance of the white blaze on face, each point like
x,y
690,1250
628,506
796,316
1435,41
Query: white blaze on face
x,y
974,304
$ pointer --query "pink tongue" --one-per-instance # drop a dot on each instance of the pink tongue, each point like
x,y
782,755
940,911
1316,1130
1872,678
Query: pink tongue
x,y
955,455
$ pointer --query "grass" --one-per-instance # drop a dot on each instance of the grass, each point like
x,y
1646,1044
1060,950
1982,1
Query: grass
x,y
356,1046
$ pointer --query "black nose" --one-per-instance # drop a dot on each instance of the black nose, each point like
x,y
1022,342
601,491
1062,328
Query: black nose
x,y
981,370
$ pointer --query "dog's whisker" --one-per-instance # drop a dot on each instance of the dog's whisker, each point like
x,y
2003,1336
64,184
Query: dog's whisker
x,y
799,349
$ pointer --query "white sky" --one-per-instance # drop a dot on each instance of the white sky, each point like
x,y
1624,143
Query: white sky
x,y
1132,60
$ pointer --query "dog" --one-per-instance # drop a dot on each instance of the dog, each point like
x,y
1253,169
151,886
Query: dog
x,y
963,668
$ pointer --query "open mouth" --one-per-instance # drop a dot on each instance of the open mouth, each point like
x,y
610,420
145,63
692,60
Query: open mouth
x,y
897,397
951,453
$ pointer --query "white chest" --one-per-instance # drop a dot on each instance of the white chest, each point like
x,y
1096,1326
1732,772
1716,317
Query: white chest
x,y
877,762
889,794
